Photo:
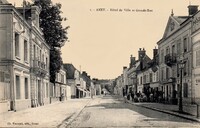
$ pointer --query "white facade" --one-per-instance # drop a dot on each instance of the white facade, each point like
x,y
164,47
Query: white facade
x,y
196,58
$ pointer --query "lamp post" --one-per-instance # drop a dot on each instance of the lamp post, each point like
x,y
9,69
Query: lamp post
x,y
181,66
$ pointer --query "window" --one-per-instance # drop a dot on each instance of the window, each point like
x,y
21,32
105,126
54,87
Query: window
x,y
157,76
34,53
173,49
167,73
46,63
151,77
144,79
62,78
185,90
178,73
185,42
17,83
167,50
141,80
179,47
17,44
25,51
185,69
162,56
162,74
26,88
2,78
198,58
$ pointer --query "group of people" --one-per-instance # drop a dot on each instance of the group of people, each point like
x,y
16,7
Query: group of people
x,y
146,96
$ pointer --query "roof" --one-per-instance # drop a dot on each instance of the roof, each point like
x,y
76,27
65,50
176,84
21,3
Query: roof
x,y
70,70
180,19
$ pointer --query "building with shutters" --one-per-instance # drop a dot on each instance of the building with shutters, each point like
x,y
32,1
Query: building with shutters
x,y
24,58
175,45
195,40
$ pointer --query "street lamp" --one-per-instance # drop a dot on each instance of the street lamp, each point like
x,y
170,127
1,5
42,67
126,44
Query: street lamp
x,y
181,65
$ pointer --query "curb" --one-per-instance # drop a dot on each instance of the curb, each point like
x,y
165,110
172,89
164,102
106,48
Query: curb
x,y
167,112
72,117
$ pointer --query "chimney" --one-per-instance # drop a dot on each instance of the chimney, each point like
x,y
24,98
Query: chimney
x,y
132,61
141,53
192,9
35,13
155,52
124,67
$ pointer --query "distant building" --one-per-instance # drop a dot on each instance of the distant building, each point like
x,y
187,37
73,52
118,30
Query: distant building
x,y
73,80
58,92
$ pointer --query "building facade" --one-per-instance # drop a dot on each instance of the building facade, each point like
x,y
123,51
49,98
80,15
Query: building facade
x,y
173,47
24,58
195,38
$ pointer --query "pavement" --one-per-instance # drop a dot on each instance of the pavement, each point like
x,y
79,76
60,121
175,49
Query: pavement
x,y
166,108
51,115
111,112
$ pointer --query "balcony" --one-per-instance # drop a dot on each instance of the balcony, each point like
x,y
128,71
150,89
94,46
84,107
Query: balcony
x,y
170,59
39,68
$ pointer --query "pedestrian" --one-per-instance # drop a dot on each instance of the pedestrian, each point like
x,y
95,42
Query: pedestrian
x,y
132,95
62,97
125,99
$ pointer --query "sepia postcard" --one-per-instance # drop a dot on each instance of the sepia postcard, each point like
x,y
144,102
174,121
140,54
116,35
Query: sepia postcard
x,y
99,63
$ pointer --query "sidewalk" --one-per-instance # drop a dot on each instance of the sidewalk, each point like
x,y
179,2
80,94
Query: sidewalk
x,y
44,116
166,108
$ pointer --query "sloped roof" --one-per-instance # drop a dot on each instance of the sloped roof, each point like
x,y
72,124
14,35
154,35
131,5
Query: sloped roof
x,y
70,70
180,19
175,23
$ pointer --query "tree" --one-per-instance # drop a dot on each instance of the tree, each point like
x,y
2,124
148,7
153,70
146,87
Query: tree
x,y
54,33
55,54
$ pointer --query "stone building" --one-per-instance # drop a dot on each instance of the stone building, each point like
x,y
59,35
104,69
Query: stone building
x,y
24,58
73,79
174,46
195,39
58,92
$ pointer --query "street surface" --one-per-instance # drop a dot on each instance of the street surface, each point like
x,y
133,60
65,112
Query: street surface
x,y
108,111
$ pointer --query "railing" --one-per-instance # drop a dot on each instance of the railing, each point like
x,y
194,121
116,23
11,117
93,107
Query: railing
x,y
39,68
170,59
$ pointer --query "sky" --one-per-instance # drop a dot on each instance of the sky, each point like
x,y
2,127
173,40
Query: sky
x,y
103,34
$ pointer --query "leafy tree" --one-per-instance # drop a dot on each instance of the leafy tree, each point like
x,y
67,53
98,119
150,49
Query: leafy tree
x,y
54,33
55,55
